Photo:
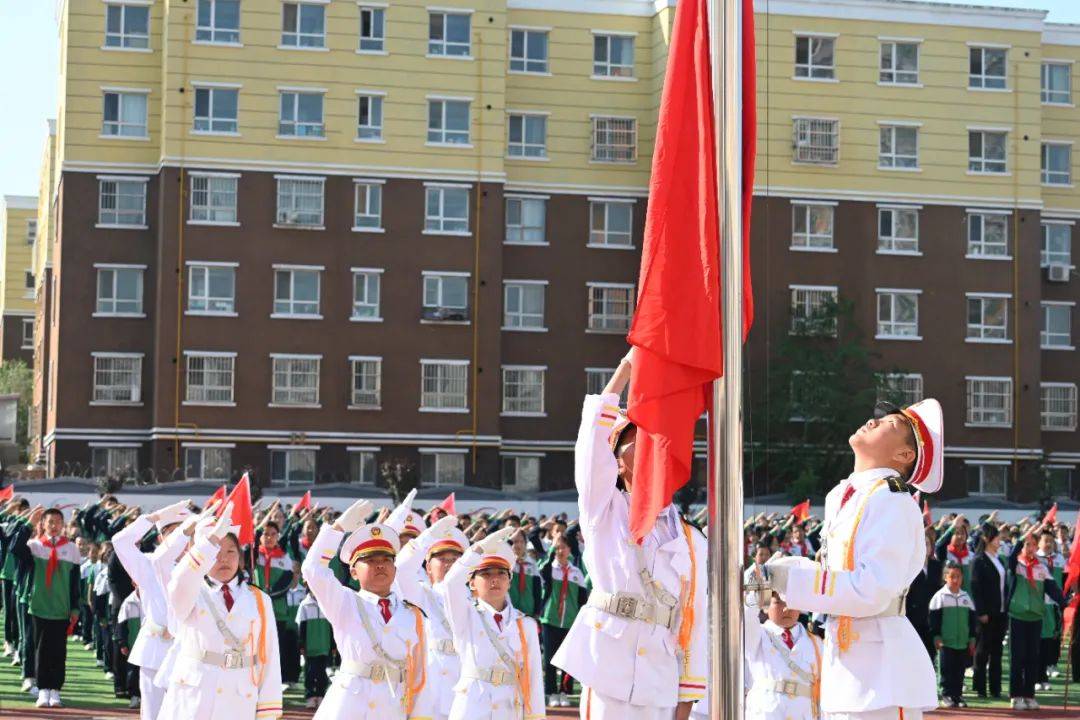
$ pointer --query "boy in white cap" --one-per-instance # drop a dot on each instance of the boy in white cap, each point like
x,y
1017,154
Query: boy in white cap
x,y
875,665
379,634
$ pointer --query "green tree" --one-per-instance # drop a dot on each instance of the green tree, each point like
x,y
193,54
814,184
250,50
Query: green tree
x,y
17,378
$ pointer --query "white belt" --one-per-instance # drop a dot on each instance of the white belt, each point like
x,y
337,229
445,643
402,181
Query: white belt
x,y
790,688
895,608
445,647
154,630
632,607
376,672
491,676
228,660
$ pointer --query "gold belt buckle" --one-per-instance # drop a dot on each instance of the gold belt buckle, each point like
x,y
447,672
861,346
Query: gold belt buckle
x,y
378,673
233,660
791,688
626,606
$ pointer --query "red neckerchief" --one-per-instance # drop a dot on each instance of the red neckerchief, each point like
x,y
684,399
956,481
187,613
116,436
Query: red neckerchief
x,y
305,543
54,558
1029,567
960,552
521,576
268,557
563,589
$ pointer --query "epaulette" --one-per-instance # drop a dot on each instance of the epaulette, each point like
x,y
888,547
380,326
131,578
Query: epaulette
x,y
897,485
406,603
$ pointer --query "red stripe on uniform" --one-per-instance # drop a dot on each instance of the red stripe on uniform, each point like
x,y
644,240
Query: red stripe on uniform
x,y
824,578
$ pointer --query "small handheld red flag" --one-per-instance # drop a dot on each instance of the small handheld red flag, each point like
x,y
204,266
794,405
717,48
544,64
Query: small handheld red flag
x,y
1051,514
801,511
1070,616
1072,567
448,504
218,495
7,493
242,514
926,513
303,504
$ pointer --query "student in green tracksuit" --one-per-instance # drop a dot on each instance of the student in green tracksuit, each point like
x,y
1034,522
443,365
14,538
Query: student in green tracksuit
x,y
563,596
9,520
316,641
1050,645
125,632
275,573
952,623
526,588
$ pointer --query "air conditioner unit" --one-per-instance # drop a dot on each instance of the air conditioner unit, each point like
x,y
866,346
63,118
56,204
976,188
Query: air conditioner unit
x,y
1057,272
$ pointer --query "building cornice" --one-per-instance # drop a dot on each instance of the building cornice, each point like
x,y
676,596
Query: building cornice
x,y
912,12
20,202
1061,34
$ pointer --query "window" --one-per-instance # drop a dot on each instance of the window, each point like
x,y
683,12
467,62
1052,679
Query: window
x,y
523,390
610,307
899,63
122,202
213,199
1058,406
815,57
521,473
898,147
210,378
1056,83
369,117
31,232
987,68
301,114
446,209
898,314
816,141
365,305
610,223
989,401
218,22
372,29
613,56
212,290
208,463
292,467
811,310
117,378
811,226
1056,326
300,201
986,151
216,109
528,51
303,25
1056,163
296,291
367,203
366,382
442,468
444,385
596,380
987,478
119,290
362,467
614,139
898,230
1056,244
988,236
448,122
124,114
523,304
449,34
446,297
525,218
1059,480
28,284
527,136
27,334
902,389
115,462
988,318
296,379
127,26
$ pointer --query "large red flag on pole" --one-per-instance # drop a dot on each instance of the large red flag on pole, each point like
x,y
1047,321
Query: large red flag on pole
x,y
1072,567
7,493
242,513
801,511
676,329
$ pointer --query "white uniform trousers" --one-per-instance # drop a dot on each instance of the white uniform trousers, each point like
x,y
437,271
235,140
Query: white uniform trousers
x,y
879,714
595,706
150,695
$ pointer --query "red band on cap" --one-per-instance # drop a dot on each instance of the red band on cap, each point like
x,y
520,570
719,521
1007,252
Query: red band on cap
x,y
925,441
369,547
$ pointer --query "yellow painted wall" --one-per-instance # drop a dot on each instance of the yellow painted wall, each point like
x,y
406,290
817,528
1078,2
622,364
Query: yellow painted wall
x,y
42,253
16,255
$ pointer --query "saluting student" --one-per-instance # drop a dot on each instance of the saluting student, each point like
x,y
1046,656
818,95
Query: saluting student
x,y
316,642
565,594
527,590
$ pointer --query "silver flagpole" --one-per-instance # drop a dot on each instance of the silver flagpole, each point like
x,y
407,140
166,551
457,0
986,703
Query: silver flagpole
x,y
725,428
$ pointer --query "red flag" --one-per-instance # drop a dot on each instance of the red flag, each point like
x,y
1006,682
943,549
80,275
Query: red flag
x,y
242,514
927,521
676,328
304,504
801,511
1051,514
1072,567
7,493
1070,616
218,495
448,504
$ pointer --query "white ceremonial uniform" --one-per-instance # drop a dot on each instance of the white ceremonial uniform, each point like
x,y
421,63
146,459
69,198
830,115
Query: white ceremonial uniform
x,y
886,666
777,690
488,687
357,690
164,559
631,669
211,679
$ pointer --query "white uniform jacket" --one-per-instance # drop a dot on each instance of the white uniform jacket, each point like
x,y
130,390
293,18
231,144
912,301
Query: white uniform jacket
x,y
351,696
626,659
767,662
164,559
475,698
887,664
202,690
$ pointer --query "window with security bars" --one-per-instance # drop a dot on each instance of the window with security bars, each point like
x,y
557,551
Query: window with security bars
x,y
127,26
362,467
816,141
208,463
114,462
1056,83
987,152
117,378
898,314
898,230
369,117
303,25
300,202
211,290
610,307
366,383
1058,406
596,380
296,292
1056,244
901,389
523,391
987,318
614,139
987,479
811,311
1056,326
301,114
218,21
988,235
124,114
523,305
1056,163
989,401
296,380
527,136
610,223
367,202
898,147
366,291
811,226
210,378
899,63
449,33
520,473
122,203
815,57
216,110
613,55
292,467
119,291
372,29
525,221
213,199
446,209
987,68
444,385
441,469
528,51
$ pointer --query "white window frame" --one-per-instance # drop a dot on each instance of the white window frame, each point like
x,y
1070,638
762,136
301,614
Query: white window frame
x,y
603,67
981,163
1063,341
812,241
375,42
887,244
520,321
442,47
212,34
984,332
521,230
1055,97
372,286
294,394
437,280
367,192
27,340
293,38
115,455
440,400
440,135
809,70
130,41
516,406
804,300
515,460
209,213
893,329
523,149
440,456
978,386
115,129
197,266
213,125
219,395
606,127
909,384
290,189
1056,178
815,141
363,363
982,465
1056,420
977,247
287,307
602,375
523,64
140,312
31,231
1046,257
436,222
889,157
368,457
603,322
109,394
201,450
888,73
601,236
372,130
289,452
119,183
982,80
296,129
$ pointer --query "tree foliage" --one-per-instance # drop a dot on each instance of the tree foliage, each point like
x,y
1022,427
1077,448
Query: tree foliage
x,y
17,378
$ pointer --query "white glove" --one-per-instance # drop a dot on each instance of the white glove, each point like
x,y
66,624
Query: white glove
x,y
495,540
193,522
167,511
354,517
438,527
779,567
214,529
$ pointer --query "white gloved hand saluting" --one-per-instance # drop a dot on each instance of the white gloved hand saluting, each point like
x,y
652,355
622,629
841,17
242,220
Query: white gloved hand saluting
x,y
494,541
440,526
214,529
167,511
353,517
